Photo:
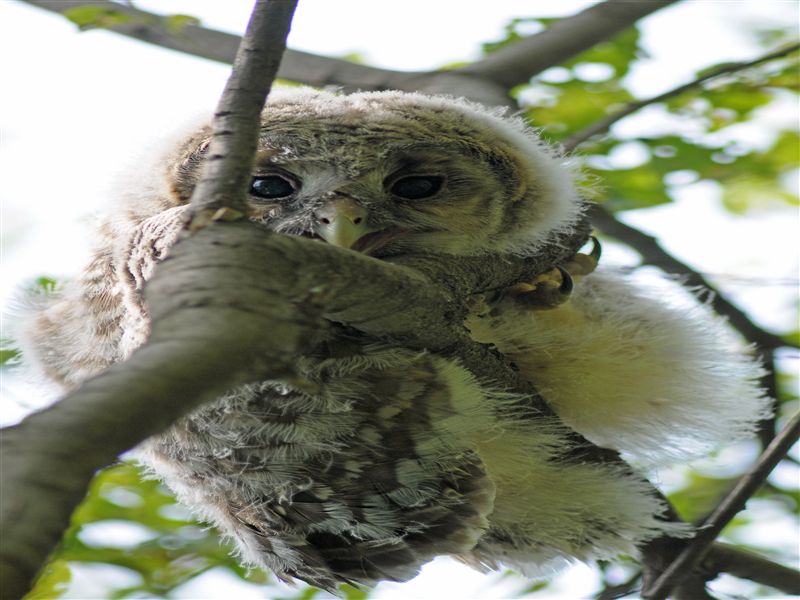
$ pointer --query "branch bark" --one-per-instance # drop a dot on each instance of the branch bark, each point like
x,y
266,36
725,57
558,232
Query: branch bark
x,y
724,512
235,127
45,476
486,81
518,62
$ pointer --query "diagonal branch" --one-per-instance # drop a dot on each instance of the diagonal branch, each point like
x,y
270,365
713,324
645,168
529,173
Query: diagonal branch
x,y
235,127
44,476
518,62
486,81
725,511
604,125
219,46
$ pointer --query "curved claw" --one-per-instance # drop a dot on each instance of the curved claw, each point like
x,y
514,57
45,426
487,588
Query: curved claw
x,y
597,250
548,290
583,264
567,284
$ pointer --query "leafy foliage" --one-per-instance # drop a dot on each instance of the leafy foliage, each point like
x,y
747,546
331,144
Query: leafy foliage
x,y
134,523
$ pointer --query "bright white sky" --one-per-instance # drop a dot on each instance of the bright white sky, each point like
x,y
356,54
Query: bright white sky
x,y
76,107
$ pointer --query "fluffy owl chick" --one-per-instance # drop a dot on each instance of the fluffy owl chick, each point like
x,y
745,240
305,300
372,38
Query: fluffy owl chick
x,y
392,457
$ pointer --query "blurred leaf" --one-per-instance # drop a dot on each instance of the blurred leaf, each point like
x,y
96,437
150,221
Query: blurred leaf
x,y
748,192
515,30
8,355
181,549
95,17
793,338
619,52
700,495
352,593
47,285
574,105
174,23
52,582
639,187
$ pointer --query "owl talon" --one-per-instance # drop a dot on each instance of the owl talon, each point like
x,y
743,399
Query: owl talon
x,y
567,284
583,264
548,290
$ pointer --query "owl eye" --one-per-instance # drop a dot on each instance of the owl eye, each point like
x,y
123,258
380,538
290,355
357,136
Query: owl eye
x,y
417,186
272,187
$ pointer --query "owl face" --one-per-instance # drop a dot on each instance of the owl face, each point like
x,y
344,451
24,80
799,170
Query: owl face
x,y
390,173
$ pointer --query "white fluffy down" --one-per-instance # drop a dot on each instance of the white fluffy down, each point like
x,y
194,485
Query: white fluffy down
x,y
639,368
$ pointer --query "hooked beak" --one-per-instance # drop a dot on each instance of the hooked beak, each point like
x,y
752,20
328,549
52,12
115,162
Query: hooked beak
x,y
341,222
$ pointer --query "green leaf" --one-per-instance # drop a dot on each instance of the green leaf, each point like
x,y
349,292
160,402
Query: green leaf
x,y
174,23
52,582
793,337
95,17
8,355
352,593
751,192
575,105
47,285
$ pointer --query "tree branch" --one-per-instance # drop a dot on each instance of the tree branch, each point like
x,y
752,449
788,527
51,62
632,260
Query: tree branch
x,y
604,125
725,558
236,124
486,81
45,475
518,62
724,512
219,46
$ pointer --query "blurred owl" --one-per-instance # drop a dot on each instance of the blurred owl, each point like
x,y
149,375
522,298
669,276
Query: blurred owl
x,y
396,456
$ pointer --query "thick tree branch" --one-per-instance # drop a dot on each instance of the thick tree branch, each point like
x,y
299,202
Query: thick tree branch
x,y
219,46
518,62
724,512
604,125
485,81
49,459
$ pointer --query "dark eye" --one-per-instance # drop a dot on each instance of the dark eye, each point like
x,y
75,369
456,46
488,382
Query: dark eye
x,y
417,186
272,187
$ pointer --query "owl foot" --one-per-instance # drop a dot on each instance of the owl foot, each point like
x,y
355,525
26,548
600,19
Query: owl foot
x,y
554,287
583,264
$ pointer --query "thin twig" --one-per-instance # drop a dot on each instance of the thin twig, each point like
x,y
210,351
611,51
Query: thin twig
x,y
620,590
726,558
235,126
731,504
604,125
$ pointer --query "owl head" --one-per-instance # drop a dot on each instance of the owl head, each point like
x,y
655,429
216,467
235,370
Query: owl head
x,y
391,173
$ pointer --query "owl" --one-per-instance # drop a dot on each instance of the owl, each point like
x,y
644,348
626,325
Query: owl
x,y
388,457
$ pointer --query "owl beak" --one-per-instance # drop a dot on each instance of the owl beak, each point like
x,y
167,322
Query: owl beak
x,y
341,222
